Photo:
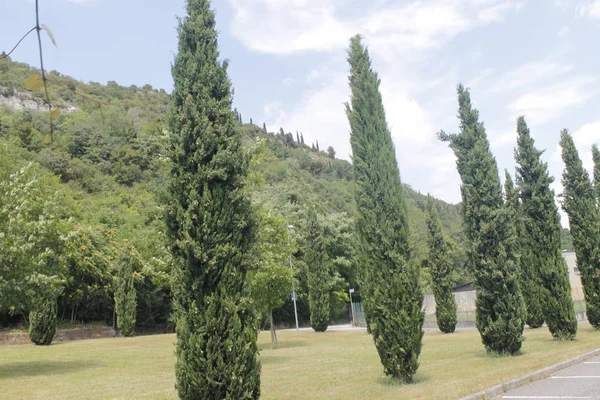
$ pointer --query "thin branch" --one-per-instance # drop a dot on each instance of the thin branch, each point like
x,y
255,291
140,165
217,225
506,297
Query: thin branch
x,y
38,29
17,45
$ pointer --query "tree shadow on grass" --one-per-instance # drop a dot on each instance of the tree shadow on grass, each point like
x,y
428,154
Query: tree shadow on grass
x,y
37,368
274,360
389,381
283,345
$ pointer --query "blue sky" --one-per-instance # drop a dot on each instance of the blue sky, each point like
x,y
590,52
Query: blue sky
x,y
288,65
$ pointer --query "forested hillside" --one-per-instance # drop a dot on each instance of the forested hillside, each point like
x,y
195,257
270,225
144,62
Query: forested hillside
x,y
96,184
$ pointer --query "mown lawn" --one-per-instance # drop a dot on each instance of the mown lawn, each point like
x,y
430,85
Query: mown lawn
x,y
306,365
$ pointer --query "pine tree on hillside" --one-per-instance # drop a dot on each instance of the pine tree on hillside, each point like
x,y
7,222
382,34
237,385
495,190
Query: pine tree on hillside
x,y
297,137
579,202
210,223
251,123
264,128
391,288
281,132
596,157
439,262
539,239
317,146
531,285
500,313
318,273
301,138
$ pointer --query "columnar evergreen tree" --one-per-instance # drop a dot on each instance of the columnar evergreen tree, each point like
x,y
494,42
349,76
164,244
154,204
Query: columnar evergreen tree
x,y
251,123
391,288
596,157
579,202
265,128
42,318
500,314
301,138
440,267
317,146
210,223
318,273
531,285
297,137
125,294
539,239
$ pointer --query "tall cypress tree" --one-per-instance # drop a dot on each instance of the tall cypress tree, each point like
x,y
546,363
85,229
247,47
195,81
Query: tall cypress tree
x,y
596,157
440,268
297,137
125,294
579,202
500,314
210,223
531,285
539,239
318,273
393,294
264,128
301,138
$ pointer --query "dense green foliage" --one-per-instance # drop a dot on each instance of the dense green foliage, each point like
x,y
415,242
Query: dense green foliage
x,y
42,318
540,241
579,202
125,304
529,270
500,314
271,277
318,273
210,223
440,267
390,276
596,158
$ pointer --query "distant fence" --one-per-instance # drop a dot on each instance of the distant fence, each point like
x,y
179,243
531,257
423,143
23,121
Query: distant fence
x,y
465,302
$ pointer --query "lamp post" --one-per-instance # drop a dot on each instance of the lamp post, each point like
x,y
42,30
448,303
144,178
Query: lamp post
x,y
293,285
351,305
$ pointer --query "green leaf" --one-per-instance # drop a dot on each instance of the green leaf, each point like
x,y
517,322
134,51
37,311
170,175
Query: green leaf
x,y
50,35
34,82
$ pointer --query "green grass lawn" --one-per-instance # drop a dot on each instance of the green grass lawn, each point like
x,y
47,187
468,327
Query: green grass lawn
x,y
306,365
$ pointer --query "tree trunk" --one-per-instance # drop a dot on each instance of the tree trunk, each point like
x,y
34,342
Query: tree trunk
x,y
273,333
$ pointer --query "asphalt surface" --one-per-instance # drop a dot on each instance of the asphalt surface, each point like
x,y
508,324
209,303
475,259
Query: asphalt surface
x,y
581,381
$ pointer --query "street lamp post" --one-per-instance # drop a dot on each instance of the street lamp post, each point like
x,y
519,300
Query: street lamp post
x,y
351,305
293,285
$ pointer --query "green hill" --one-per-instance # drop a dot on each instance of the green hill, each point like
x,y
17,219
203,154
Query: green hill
x,y
108,157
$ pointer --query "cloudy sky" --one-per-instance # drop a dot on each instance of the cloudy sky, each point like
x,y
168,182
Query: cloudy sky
x,y
538,58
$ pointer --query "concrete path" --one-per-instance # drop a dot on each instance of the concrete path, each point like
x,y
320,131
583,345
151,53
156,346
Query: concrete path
x,y
580,381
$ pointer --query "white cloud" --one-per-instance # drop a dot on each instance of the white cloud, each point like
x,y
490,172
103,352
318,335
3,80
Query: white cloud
x,y
503,139
584,138
564,31
544,104
498,11
590,9
528,74
285,27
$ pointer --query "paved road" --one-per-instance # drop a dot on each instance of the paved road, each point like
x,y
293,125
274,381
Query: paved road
x,y
581,381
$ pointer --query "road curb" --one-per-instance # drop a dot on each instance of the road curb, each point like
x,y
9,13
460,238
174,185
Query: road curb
x,y
525,379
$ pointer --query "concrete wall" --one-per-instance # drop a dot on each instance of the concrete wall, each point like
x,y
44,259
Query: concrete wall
x,y
576,286
93,332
